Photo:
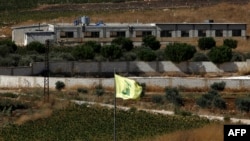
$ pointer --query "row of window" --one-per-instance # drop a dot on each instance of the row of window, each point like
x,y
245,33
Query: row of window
x,y
164,33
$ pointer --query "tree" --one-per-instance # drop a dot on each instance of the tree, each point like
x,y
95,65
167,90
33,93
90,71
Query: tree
x,y
83,52
146,54
151,42
230,43
206,43
95,45
124,43
220,54
179,52
111,51
36,46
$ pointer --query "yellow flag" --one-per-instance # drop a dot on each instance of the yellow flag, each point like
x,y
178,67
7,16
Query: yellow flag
x,y
127,88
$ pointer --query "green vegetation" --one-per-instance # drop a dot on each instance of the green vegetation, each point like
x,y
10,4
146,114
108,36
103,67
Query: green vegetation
x,y
218,86
243,103
60,85
206,43
96,123
173,96
212,99
220,54
151,42
179,52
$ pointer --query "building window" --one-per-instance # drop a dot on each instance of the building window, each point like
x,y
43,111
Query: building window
x,y
184,33
92,34
218,33
64,34
236,33
143,33
202,33
117,33
166,33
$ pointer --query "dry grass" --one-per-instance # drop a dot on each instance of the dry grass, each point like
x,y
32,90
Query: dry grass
x,y
213,132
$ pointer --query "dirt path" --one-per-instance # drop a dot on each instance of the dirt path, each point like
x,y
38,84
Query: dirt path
x,y
211,117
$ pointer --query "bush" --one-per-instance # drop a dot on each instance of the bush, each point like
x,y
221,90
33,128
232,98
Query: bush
x,y
157,99
211,99
179,52
237,56
200,57
111,52
124,43
82,90
243,104
172,95
10,44
36,46
151,42
220,54
95,45
82,52
143,85
219,86
206,43
147,54
231,43
99,90
60,85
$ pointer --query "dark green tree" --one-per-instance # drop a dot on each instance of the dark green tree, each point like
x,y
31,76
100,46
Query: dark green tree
x,y
124,43
82,52
36,46
95,45
111,52
220,54
151,42
230,43
179,52
206,43
146,54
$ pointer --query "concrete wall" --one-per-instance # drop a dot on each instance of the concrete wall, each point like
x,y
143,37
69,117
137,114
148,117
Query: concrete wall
x,y
74,68
187,82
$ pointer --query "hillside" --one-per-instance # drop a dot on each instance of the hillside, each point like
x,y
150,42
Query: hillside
x,y
133,11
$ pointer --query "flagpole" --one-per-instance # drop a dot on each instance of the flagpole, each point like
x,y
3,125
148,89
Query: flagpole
x,y
114,109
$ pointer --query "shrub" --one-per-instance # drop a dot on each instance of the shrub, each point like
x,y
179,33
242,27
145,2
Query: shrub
x,y
147,55
4,50
220,54
237,56
179,52
60,85
198,56
111,52
231,43
10,44
99,90
219,86
82,90
243,104
124,43
151,42
95,45
83,52
143,85
36,46
211,99
172,95
206,43
157,99
129,56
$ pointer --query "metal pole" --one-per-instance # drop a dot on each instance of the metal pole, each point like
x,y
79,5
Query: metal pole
x,y
114,108
46,72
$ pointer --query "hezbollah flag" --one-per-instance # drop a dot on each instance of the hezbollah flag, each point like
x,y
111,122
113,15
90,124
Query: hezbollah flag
x,y
127,88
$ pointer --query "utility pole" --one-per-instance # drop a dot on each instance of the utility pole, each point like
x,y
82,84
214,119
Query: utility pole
x,y
46,72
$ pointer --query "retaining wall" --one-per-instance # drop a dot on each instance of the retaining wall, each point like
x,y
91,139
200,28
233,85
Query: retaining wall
x,y
74,68
162,82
